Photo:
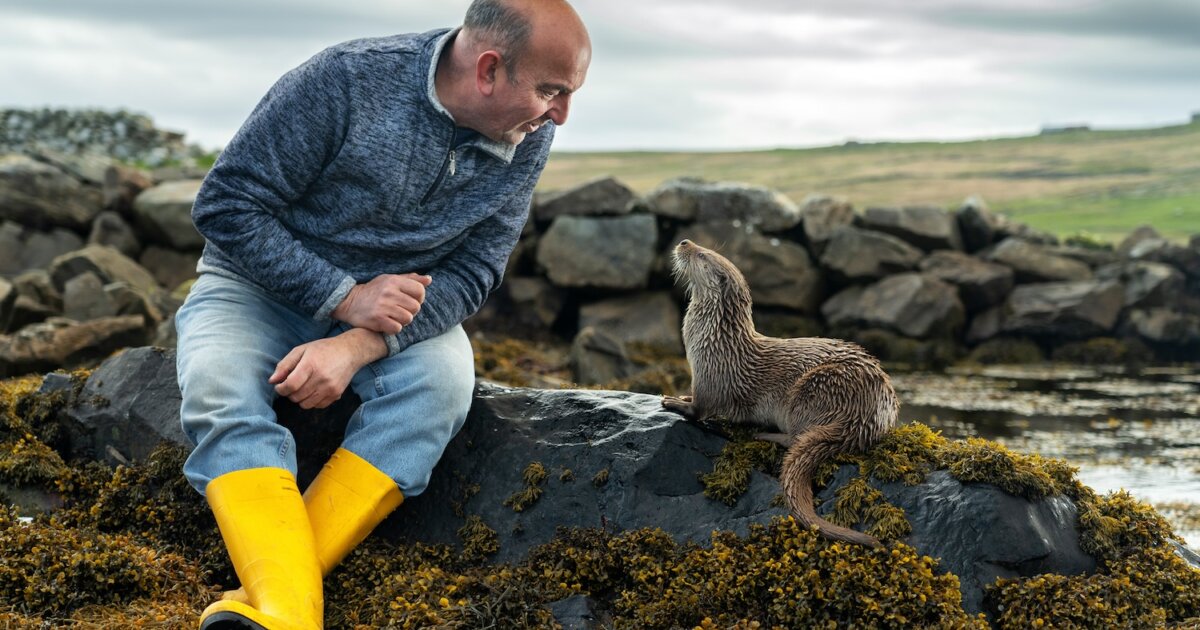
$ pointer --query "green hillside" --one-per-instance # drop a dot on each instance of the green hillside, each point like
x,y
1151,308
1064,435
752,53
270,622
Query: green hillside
x,y
1101,182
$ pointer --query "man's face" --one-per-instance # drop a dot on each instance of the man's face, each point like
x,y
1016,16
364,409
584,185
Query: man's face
x,y
540,91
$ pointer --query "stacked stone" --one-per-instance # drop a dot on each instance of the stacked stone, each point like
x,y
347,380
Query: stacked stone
x,y
119,135
91,255
920,281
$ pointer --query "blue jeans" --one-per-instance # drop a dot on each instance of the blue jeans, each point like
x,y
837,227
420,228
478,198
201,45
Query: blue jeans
x,y
231,336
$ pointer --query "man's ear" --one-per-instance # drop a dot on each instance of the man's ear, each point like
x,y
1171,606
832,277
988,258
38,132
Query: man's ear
x,y
487,68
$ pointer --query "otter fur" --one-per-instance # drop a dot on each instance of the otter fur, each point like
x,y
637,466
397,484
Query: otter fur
x,y
821,397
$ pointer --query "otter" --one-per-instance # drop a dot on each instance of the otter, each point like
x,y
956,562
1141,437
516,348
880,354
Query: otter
x,y
823,397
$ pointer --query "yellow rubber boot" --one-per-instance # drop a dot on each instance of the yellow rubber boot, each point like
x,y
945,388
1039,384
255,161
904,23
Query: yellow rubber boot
x,y
266,531
345,502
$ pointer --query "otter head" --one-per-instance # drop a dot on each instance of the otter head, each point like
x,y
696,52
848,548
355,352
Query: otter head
x,y
710,276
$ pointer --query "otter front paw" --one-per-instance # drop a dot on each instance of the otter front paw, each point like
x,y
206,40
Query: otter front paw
x,y
681,405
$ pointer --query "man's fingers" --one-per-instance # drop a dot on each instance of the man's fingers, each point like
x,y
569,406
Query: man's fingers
x,y
286,365
293,383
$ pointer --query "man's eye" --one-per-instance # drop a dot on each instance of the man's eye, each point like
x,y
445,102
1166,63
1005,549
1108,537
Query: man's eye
x,y
549,93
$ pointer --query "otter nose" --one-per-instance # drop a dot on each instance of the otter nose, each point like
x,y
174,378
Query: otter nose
x,y
685,242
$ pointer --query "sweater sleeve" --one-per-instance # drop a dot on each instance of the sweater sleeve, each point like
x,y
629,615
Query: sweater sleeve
x,y
465,278
281,149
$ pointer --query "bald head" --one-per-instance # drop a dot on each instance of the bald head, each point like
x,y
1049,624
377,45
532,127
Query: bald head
x,y
518,28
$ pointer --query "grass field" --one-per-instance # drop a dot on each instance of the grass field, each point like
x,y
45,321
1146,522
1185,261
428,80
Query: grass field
x,y
1100,182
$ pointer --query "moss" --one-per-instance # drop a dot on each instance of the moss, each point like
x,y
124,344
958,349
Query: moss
x,y
1103,351
478,540
566,476
897,350
858,502
534,476
730,476
1006,351
600,479
517,362
658,371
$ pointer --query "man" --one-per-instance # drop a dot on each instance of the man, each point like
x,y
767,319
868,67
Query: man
x,y
366,207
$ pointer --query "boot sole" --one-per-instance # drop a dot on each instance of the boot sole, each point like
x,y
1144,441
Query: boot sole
x,y
228,620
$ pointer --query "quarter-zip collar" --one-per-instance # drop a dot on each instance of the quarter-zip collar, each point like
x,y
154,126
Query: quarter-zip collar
x,y
500,150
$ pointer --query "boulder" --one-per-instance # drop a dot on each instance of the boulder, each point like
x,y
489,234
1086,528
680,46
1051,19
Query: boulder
x,y
856,255
688,199
779,272
598,357
912,304
110,229
1164,326
60,342
170,268
84,298
1033,263
599,252
107,263
1182,258
164,213
820,215
122,184
534,301
600,196
976,224
128,406
985,325
1064,310
1147,284
86,166
1007,228
926,227
1139,235
1091,256
980,284
37,285
980,532
23,248
651,319
26,311
42,196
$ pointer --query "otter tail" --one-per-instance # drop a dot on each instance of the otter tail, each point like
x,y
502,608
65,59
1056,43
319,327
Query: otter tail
x,y
800,463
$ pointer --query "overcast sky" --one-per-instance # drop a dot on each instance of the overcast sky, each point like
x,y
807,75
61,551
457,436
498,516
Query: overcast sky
x,y
666,74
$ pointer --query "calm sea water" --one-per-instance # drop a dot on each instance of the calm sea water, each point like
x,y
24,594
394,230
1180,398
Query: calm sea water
x,y
1132,429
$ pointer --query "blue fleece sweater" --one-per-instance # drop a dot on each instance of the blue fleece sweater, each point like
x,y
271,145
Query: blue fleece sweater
x,y
347,169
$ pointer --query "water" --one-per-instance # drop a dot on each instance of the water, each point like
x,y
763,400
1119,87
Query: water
x,y
1133,429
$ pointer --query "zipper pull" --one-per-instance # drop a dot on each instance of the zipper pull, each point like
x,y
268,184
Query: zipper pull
x,y
451,162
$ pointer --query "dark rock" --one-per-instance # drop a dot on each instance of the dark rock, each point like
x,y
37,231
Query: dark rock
x,y
689,199
651,319
122,184
1182,258
1007,228
598,357
534,301
979,532
1164,326
912,304
599,252
1138,235
1034,263
164,213
42,196
23,249
28,311
58,343
37,285
1090,256
601,196
107,263
985,325
129,405
779,272
84,298
976,224
1064,310
820,215
653,461
980,284
87,167
578,612
855,255
30,499
170,268
110,229
8,302
775,323
926,227
1147,284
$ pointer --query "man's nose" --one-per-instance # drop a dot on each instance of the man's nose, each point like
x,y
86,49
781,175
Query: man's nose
x,y
559,109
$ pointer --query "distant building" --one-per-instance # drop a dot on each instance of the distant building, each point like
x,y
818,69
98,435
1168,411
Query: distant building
x,y
1053,129
1196,117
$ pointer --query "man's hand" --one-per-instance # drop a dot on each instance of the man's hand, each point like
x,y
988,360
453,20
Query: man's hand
x,y
315,375
386,304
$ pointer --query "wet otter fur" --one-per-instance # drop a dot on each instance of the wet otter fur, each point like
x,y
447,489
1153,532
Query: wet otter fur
x,y
822,396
